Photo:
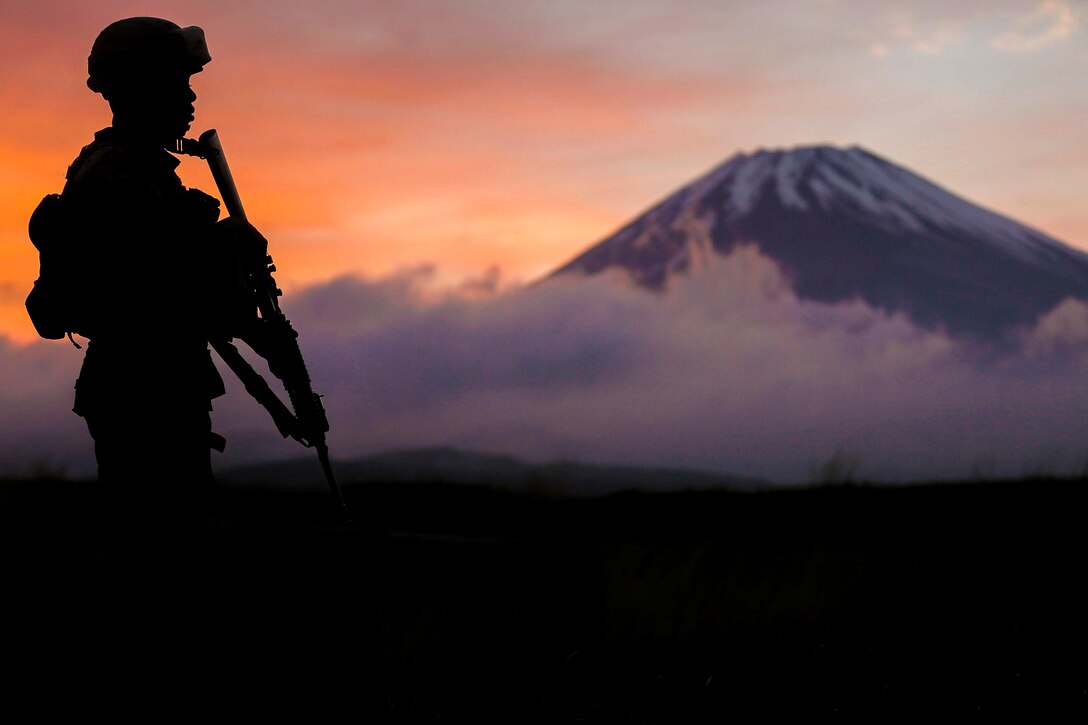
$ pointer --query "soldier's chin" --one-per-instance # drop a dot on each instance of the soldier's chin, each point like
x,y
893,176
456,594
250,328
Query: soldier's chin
x,y
180,129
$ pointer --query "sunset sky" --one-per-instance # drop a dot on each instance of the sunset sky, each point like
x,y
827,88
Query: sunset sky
x,y
404,158
370,137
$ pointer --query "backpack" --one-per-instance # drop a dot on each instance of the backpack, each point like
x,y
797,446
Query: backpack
x,y
51,304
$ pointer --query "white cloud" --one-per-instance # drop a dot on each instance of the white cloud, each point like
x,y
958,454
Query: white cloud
x,y
903,31
1062,331
1053,21
936,42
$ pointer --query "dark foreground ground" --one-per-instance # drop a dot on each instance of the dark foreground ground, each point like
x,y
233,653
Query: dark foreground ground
x,y
460,604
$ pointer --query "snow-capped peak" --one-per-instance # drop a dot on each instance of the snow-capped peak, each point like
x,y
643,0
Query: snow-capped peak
x,y
845,224
858,182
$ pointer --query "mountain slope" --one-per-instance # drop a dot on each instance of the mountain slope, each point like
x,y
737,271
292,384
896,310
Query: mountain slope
x,y
846,224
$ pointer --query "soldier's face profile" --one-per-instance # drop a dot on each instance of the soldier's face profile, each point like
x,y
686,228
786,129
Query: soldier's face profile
x,y
171,105
161,106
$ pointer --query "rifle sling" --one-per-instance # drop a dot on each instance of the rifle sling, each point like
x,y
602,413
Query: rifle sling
x,y
256,386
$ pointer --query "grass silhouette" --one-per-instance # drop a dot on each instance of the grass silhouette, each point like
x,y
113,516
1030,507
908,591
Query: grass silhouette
x,y
473,604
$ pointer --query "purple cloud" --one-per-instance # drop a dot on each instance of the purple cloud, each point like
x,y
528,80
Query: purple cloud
x,y
727,371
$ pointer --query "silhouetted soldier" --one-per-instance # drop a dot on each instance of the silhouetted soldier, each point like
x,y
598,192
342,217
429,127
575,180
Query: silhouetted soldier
x,y
155,279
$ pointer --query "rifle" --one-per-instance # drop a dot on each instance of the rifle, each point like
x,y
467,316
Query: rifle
x,y
277,342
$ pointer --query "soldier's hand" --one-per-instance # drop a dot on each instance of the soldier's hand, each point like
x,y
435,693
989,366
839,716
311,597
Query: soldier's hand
x,y
200,206
247,244
237,251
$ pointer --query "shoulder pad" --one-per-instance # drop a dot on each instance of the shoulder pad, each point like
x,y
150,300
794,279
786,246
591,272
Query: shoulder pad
x,y
97,159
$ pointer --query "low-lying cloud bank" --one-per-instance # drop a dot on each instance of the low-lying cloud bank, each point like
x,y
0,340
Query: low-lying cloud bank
x,y
727,371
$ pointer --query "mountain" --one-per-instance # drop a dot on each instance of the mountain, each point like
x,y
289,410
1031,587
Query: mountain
x,y
452,466
846,224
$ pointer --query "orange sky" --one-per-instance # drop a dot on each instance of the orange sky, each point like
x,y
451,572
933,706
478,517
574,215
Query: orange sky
x,y
367,137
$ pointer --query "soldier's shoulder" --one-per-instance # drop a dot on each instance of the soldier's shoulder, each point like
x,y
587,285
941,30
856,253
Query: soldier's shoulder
x,y
102,161
114,169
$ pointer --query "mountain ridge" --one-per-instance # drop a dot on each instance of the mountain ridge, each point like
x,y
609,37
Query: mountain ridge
x,y
451,465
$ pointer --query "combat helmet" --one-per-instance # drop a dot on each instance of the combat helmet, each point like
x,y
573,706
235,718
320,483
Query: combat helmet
x,y
141,47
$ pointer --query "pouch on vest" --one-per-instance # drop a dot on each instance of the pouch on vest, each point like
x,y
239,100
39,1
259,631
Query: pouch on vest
x,y
50,302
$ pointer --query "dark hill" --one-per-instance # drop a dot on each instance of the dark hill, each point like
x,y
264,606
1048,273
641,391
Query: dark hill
x,y
449,465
